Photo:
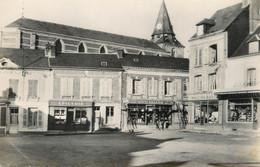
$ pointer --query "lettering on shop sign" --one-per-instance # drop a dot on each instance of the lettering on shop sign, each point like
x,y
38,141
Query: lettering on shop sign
x,y
202,97
150,102
69,103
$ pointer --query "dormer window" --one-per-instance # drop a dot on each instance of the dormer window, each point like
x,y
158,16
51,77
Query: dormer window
x,y
104,64
59,46
4,64
102,49
204,26
82,48
254,47
200,30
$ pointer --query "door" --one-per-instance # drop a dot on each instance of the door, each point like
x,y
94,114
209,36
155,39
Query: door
x,y
3,116
70,117
109,115
14,112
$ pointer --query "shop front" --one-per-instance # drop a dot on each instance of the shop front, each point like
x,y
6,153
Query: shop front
x,y
204,110
148,112
241,110
70,115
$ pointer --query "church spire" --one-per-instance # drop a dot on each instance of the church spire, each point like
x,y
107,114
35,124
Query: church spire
x,y
163,23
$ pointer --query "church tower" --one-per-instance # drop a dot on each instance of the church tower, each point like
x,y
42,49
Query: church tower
x,y
164,36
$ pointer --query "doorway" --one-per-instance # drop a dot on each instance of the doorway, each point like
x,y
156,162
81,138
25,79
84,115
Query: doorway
x,y
70,116
14,111
109,115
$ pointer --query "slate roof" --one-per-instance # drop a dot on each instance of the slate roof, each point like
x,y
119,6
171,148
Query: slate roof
x,y
76,60
206,21
26,58
145,61
82,33
224,17
243,49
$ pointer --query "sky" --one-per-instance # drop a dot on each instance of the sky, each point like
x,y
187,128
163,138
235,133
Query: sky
x,y
134,18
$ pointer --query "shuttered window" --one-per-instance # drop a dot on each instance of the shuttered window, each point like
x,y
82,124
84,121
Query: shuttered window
x,y
152,87
198,83
254,47
251,77
32,88
137,86
86,85
66,87
13,88
212,81
32,117
105,88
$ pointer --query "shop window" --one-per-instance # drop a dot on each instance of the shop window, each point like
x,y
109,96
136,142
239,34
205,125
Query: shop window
x,y
97,108
212,81
254,47
13,88
32,117
251,77
60,115
137,86
81,116
240,110
82,48
152,87
213,55
32,89
66,85
14,116
105,88
198,83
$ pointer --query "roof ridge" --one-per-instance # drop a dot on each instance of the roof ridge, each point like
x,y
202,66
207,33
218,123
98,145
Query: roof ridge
x,y
78,28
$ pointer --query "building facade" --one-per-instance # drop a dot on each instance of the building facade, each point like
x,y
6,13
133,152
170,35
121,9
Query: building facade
x,y
212,50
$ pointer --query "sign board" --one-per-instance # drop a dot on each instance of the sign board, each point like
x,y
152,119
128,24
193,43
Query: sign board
x,y
70,103
150,102
202,97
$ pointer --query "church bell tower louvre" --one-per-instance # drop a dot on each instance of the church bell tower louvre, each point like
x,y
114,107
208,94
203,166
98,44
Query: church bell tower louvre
x,y
164,36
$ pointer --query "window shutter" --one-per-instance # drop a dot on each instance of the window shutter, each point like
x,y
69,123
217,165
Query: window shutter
x,y
178,89
24,117
173,87
144,86
40,122
196,57
63,85
30,87
129,86
35,88
82,87
155,87
150,86
109,87
90,87
101,87
70,86
204,83
161,87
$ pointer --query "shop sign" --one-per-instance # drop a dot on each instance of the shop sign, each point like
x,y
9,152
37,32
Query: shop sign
x,y
202,97
69,103
150,102
239,95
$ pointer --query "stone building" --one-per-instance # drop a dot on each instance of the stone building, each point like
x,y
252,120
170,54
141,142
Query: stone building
x,y
212,48
70,78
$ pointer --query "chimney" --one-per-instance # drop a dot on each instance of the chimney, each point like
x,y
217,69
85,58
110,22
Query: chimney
x,y
49,50
120,54
254,15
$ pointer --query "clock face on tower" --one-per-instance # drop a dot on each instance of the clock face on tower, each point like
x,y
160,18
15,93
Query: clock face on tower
x,y
159,26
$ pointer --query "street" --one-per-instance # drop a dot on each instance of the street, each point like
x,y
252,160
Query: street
x,y
149,148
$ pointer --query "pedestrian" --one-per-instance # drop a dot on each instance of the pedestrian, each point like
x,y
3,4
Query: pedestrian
x,y
157,124
162,124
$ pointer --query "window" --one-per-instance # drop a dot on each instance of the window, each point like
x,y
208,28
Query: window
x,y
168,88
240,110
14,115
66,87
152,87
82,48
86,85
198,83
212,81
200,30
81,116
185,87
32,89
137,86
32,117
198,57
105,88
141,53
173,52
254,47
13,88
213,54
59,115
58,46
102,49
251,77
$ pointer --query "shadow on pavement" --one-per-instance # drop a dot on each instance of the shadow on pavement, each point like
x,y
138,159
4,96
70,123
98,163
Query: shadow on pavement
x,y
166,164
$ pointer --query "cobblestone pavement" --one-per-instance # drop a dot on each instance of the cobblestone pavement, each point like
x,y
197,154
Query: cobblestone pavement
x,y
142,148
